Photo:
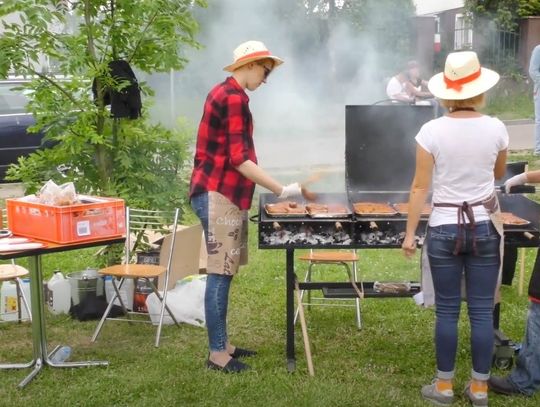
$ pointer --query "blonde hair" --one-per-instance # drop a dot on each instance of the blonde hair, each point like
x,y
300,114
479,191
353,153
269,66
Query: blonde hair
x,y
475,102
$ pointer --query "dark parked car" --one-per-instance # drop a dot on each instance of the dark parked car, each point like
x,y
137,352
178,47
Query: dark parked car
x,y
15,141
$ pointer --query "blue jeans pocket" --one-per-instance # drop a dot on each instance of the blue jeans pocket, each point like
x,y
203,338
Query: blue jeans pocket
x,y
488,246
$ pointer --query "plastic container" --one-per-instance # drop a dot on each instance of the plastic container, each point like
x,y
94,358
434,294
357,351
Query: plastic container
x,y
95,218
58,294
126,292
9,310
142,290
84,283
61,355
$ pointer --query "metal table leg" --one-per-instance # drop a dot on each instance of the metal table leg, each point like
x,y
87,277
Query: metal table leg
x,y
291,358
37,368
39,335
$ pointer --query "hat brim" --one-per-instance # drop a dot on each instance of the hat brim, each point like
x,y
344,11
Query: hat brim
x,y
483,83
238,64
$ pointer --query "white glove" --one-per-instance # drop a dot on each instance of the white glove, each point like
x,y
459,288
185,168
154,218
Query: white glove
x,y
290,190
519,179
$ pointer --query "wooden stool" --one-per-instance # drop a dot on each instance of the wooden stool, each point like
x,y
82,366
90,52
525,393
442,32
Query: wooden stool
x,y
341,258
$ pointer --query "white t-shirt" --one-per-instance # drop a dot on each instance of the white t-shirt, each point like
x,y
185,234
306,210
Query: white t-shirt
x,y
465,151
395,88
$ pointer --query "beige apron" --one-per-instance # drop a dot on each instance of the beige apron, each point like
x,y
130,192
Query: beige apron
x,y
227,236
491,205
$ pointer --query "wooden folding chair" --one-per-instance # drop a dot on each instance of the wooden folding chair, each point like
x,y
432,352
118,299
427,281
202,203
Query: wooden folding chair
x,y
141,223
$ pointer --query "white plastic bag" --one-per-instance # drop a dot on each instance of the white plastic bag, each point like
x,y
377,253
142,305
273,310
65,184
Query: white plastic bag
x,y
185,300
58,195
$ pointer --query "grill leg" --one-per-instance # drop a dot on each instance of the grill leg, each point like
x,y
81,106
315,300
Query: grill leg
x,y
357,299
291,358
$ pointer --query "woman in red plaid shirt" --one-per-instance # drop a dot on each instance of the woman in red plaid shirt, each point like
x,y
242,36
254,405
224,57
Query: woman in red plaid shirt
x,y
222,184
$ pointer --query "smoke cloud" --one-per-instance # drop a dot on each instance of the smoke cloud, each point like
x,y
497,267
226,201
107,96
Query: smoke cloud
x,y
299,115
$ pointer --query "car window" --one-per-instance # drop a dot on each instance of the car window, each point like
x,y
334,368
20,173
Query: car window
x,y
12,101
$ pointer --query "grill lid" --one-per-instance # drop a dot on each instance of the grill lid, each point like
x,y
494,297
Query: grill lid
x,y
380,148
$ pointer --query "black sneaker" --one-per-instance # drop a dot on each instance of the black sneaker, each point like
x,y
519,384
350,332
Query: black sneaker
x,y
232,366
502,385
242,353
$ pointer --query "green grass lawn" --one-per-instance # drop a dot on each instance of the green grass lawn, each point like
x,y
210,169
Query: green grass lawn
x,y
384,364
511,99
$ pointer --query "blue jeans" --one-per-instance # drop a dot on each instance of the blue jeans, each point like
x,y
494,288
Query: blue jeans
x,y
216,297
481,271
526,375
537,121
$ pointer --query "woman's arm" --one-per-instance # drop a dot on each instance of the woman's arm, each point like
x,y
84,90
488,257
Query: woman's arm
x,y
414,92
253,172
520,179
500,164
533,176
417,197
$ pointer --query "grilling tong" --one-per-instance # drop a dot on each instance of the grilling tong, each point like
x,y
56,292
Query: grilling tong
x,y
517,189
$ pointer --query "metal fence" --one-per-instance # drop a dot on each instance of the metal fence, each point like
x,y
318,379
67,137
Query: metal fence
x,y
497,49
501,49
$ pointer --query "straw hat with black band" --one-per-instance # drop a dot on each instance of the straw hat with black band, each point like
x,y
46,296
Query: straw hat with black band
x,y
251,51
463,77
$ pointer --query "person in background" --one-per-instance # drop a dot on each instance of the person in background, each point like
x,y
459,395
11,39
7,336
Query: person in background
x,y
534,73
524,379
223,181
407,86
460,154
416,86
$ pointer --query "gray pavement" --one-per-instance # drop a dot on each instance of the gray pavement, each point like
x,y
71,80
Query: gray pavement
x,y
521,133
12,190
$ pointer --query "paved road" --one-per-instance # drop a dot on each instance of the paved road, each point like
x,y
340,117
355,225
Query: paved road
x,y
521,134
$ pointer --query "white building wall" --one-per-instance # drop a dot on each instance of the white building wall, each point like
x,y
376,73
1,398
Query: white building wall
x,y
424,7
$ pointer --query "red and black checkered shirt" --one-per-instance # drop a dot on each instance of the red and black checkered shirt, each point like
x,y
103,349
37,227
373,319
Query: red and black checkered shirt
x,y
224,141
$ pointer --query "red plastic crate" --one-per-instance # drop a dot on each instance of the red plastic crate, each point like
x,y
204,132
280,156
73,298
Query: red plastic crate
x,y
94,218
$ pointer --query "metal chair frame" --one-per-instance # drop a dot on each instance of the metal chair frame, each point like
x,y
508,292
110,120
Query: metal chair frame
x,y
320,301
140,221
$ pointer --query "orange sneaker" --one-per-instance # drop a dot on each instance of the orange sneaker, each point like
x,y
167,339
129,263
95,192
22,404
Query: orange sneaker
x,y
477,393
439,392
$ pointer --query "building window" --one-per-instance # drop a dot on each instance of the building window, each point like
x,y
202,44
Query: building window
x,y
463,36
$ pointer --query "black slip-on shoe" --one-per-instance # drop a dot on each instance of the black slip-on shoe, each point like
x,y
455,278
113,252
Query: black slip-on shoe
x,y
242,353
232,366
502,385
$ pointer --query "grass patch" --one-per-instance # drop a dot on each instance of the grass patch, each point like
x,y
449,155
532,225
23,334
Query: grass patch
x,y
511,99
384,364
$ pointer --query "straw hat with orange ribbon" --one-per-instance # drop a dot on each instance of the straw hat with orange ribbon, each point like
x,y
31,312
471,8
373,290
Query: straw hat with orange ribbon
x,y
463,77
251,51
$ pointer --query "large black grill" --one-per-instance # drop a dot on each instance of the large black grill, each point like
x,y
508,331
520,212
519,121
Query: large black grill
x,y
379,167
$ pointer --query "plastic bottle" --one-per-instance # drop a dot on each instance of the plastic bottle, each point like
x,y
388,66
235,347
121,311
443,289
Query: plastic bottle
x,y
61,355
126,292
9,308
59,290
8,301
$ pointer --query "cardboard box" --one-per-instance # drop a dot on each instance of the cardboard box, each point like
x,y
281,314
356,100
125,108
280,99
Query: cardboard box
x,y
189,255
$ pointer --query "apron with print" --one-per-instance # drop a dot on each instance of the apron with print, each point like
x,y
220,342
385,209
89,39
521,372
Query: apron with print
x,y
227,236
492,207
